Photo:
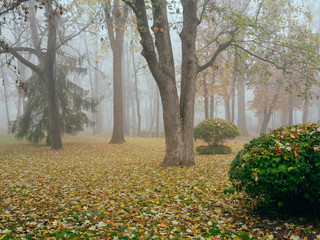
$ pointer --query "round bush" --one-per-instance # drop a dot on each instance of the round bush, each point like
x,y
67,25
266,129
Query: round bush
x,y
281,168
213,149
215,130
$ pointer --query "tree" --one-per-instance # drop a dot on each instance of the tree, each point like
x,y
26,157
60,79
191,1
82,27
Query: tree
x,y
178,113
45,72
73,100
115,21
45,63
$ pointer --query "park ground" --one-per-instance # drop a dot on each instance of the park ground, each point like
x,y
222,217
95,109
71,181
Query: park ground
x,y
95,190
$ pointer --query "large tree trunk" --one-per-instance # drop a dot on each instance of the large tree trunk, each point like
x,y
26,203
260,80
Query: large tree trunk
x,y
49,77
178,127
172,125
115,28
163,71
118,131
189,74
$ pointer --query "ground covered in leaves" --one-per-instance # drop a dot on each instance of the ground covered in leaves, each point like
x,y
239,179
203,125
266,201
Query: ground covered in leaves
x,y
94,190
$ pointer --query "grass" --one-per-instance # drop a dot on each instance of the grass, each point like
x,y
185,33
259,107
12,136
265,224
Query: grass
x,y
94,190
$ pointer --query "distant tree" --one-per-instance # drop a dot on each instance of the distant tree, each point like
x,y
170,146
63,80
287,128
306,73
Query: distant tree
x,y
73,101
43,60
115,19
45,71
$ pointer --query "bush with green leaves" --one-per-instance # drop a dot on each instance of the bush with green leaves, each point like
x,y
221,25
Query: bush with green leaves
x,y
214,131
213,149
281,168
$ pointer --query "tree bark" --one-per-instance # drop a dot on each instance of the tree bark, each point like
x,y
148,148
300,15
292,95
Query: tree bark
x,y
49,79
190,69
115,21
178,116
118,124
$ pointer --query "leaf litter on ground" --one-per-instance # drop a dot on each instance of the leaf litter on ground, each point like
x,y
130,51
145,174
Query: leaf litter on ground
x,y
96,190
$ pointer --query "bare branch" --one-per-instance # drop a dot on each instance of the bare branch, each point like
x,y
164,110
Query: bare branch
x,y
23,60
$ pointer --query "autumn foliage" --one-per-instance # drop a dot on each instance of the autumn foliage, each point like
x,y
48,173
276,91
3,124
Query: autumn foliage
x,y
282,169
96,190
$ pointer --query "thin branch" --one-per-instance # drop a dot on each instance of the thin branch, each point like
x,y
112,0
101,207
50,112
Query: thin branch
x,y
13,6
260,58
220,49
203,9
76,34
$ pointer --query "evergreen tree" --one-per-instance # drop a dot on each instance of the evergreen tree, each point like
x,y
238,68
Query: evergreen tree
x,y
73,101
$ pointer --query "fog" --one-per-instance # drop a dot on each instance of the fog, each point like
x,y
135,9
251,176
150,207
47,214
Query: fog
x,y
90,55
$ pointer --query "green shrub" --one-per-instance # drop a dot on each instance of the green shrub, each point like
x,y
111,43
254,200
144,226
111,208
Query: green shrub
x,y
281,168
213,149
216,130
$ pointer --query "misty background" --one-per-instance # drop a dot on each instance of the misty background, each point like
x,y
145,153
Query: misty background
x,y
90,49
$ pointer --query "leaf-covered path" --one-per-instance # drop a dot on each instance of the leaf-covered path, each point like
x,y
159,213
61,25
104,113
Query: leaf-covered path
x,y
94,190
